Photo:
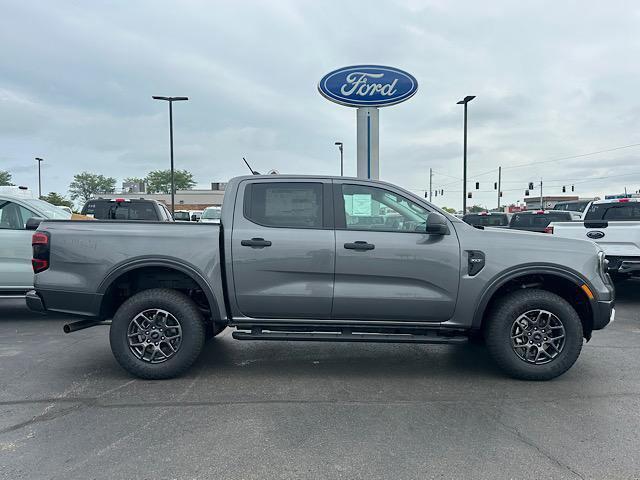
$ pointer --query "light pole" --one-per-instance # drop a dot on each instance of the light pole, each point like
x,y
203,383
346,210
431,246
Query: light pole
x,y
171,100
339,144
464,102
40,160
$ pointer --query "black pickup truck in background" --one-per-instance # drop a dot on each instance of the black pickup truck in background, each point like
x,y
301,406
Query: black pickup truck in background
x,y
126,209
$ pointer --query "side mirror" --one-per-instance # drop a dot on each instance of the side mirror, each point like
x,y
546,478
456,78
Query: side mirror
x,y
436,224
33,223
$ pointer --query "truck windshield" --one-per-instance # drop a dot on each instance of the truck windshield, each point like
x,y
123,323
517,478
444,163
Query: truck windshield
x,y
51,211
620,211
493,220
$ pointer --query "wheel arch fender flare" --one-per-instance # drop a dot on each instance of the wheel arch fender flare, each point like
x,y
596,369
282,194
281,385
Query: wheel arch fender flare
x,y
189,270
520,271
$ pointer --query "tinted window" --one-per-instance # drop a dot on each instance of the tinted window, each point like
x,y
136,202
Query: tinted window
x,y
293,205
370,208
535,220
493,220
182,216
107,210
571,206
620,211
13,216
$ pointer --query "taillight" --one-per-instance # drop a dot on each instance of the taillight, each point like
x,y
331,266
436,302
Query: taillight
x,y
40,245
548,229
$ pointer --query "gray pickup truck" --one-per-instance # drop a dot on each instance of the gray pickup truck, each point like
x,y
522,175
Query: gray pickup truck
x,y
323,259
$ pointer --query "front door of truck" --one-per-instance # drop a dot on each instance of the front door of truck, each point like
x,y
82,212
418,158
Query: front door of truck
x,y
387,268
283,249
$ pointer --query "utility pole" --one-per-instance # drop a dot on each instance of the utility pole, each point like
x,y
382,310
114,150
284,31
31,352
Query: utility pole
x,y
340,145
464,102
499,185
40,160
430,183
171,100
541,200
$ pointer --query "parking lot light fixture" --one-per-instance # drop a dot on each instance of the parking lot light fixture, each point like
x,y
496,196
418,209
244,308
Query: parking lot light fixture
x,y
170,100
464,102
340,145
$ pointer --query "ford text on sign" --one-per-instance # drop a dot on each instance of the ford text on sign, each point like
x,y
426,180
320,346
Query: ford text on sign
x,y
368,86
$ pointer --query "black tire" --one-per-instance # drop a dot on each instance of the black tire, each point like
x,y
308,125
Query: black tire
x,y
498,334
184,311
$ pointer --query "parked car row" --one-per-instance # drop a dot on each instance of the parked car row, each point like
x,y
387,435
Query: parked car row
x,y
531,221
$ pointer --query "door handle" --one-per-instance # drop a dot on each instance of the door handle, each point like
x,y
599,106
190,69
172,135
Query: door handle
x,y
359,245
256,242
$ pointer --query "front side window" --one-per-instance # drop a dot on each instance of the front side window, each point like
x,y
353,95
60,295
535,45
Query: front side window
x,y
372,208
279,204
14,216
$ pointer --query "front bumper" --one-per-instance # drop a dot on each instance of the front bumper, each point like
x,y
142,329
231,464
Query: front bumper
x,y
629,265
604,314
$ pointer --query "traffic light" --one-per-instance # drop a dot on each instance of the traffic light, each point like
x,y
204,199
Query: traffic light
x,y
426,194
442,191
469,195
572,189
436,193
526,193
477,185
530,185
495,185
564,189
500,194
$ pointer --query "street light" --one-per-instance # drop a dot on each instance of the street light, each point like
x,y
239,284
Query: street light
x,y
464,102
40,160
171,100
339,144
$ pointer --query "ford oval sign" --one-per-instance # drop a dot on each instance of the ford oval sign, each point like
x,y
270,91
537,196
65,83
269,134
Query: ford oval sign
x,y
368,86
595,234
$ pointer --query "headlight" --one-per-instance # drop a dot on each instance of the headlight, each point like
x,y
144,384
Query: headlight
x,y
603,267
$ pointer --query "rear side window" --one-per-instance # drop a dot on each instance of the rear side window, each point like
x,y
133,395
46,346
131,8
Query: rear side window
x,y
487,220
279,204
619,211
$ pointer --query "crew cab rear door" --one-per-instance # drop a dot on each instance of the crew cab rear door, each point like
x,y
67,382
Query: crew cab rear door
x,y
386,269
283,248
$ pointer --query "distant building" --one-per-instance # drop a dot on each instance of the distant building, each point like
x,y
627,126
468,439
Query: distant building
x,y
533,203
133,187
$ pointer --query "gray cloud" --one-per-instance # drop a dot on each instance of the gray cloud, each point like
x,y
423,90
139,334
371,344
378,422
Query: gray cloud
x,y
552,80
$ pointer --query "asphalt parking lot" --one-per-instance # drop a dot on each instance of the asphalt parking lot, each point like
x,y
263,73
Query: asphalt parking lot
x,y
312,410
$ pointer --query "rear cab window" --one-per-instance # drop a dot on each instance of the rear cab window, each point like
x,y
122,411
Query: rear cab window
x,y
616,211
539,219
492,220
132,210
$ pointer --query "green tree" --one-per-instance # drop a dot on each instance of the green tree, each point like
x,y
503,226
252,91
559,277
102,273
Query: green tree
x,y
85,185
476,209
159,181
449,210
56,199
5,178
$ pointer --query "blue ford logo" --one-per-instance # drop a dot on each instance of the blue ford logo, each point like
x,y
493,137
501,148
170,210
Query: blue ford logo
x,y
596,234
368,86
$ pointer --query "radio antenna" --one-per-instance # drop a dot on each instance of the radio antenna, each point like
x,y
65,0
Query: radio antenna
x,y
253,172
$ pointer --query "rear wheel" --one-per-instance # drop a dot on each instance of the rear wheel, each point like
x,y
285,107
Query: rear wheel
x,y
157,334
534,335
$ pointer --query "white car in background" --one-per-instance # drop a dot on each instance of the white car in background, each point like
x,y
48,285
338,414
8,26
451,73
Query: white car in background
x,y
16,207
211,215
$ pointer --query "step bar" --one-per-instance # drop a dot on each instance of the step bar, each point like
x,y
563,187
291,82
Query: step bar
x,y
349,336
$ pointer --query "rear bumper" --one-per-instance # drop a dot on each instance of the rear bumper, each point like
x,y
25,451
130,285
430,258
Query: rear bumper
x,y
604,314
72,303
34,302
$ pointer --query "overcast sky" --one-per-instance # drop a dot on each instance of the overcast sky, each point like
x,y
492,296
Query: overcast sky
x,y
552,79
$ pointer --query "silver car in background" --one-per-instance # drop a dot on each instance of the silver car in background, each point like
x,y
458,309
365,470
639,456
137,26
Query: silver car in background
x,y
16,274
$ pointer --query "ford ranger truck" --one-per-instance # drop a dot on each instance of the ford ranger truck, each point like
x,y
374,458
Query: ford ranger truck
x,y
614,224
323,259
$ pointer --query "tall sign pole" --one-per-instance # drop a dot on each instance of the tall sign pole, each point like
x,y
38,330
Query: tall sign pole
x,y
499,185
464,102
368,87
430,184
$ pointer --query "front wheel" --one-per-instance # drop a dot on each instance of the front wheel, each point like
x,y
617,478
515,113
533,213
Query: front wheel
x,y
534,335
157,334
